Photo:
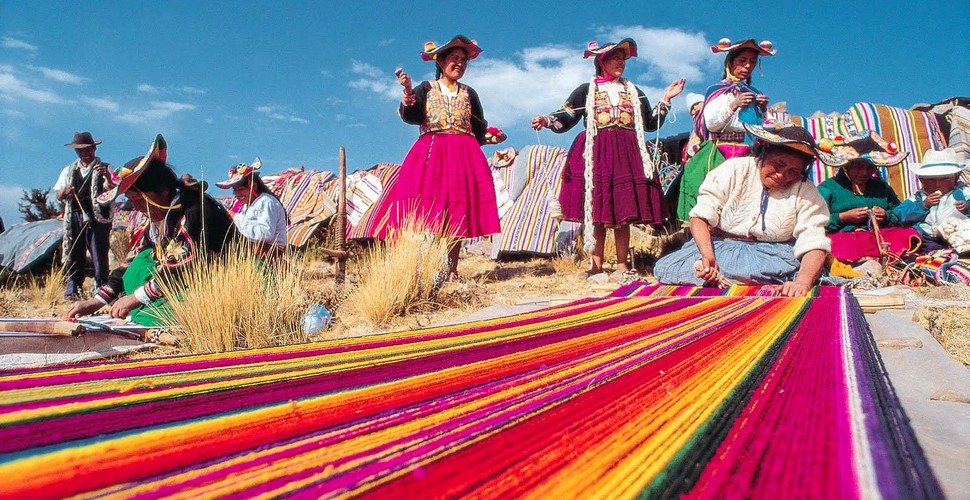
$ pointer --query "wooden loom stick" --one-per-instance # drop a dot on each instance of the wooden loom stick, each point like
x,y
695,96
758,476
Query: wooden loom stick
x,y
48,327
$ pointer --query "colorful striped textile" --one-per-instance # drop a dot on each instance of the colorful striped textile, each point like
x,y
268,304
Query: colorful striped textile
x,y
526,226
368,223
305,199
653,392
915,132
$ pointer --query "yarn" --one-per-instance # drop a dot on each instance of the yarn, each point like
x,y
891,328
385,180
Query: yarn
x,y
652,391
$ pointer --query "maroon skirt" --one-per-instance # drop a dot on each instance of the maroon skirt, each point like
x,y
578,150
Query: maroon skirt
x,y
621,191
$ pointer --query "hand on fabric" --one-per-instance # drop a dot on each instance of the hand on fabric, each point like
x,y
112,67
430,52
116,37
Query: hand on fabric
x,y
855,216
674,89
743,99
961,206
933,199
706,268
540,122
123,306
794,289
84,308
404,79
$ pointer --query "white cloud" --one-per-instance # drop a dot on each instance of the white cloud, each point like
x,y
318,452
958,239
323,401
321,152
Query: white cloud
x,y
59,75
334,101
12,113
385,43
14,89
13,43
279,113
157,110
538,80
100,103
368,70
183,89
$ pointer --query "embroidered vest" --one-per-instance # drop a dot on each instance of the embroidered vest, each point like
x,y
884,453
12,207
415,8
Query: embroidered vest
x,y
445,113
607,114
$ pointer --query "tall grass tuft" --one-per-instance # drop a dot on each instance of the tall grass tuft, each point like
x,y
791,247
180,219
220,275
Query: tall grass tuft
x,y
46,291
237,301
401,275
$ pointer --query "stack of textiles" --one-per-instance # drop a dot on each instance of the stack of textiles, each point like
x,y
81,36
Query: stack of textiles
x,y
941,267
367,224
652,391
305,199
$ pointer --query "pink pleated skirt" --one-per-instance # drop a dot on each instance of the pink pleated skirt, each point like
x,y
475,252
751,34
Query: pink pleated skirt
x,y
445,182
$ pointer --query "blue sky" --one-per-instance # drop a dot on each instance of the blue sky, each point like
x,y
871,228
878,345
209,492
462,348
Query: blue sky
x,y
293,81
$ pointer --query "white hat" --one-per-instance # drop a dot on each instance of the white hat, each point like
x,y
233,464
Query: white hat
x,y
939,163
693,98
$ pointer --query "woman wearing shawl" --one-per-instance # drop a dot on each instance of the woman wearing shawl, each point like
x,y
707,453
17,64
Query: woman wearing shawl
x,y
610,179
718,131
860,202
758,220
445,181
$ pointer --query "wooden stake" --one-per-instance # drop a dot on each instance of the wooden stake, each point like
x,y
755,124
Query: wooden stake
x,y
342,218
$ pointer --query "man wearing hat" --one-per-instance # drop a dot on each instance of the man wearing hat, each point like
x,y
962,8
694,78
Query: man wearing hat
x,y
87,226
184,225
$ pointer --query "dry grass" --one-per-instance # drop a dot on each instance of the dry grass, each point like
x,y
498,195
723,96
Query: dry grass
x,y
402,275
947,317
238,301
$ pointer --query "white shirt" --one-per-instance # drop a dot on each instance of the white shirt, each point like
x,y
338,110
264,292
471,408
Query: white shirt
x,y
64,179
719,117
730,198
263,220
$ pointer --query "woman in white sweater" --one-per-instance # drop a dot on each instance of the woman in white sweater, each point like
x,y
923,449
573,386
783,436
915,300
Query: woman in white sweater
x,y
261,217
758,220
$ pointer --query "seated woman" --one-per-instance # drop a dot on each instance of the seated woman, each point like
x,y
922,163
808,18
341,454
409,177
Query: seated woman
x,y
860,203
184,225
940,206
757,220
260,217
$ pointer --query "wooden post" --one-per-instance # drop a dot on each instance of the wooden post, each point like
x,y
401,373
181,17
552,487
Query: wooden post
x,y
342,218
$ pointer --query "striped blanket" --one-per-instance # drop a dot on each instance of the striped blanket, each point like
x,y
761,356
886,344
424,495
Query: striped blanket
x,y
640,393
367,224
915,132
307,204
526,225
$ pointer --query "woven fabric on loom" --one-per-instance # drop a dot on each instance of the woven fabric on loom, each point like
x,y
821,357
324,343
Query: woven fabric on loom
x,y
913,131
526,226
387,173
305,199
652,392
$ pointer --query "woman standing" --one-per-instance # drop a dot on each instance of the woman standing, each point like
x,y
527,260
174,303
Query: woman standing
x,y
718,131
610,179
261,217
445,182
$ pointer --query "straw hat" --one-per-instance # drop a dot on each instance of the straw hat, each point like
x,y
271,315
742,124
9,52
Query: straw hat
x,y
470,47
126,176
627,44
240,173
939,163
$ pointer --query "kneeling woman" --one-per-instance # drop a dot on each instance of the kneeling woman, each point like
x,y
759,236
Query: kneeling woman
x,y
758,220
261,217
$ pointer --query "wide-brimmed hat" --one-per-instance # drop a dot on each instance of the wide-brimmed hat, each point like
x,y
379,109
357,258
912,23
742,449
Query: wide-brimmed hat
x,y
595,49
470,47
82,140
939,163
240,173
765,48
869,146
787,135
126,176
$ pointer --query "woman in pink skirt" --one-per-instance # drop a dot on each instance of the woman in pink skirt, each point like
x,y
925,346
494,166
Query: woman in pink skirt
x,y
445,181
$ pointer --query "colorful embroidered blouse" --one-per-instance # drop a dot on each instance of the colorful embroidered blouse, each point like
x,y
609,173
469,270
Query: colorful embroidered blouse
x,y
613,108
198,227
436,110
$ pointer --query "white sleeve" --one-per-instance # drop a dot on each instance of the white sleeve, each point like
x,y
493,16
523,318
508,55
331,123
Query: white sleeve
x,y
719,117
255,221
714,192
812,214
62,180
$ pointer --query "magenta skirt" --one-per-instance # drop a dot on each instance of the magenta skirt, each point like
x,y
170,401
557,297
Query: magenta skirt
x,y
852,246
446,182
621,191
